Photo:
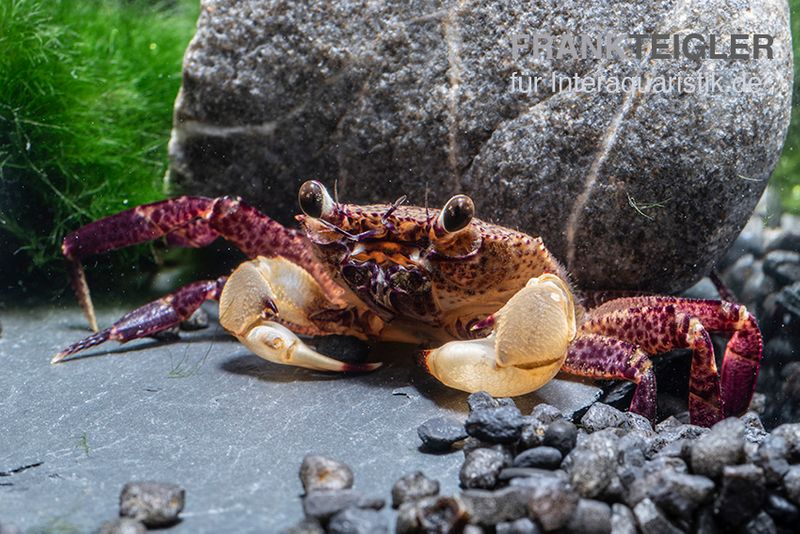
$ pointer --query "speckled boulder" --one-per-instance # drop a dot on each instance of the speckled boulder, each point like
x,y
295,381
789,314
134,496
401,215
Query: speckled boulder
x,y
631,190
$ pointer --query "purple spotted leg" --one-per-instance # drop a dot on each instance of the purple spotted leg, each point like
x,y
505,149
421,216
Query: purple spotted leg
x,y
166,312
187,222
660,324
601,357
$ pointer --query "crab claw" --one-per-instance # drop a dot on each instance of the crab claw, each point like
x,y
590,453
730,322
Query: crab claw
x,y
528,344
276,343
273,288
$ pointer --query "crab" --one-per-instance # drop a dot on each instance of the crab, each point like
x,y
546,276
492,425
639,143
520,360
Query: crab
x,y
491,307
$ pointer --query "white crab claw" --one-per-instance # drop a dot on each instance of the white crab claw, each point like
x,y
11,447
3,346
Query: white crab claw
x,y
276,343
527,347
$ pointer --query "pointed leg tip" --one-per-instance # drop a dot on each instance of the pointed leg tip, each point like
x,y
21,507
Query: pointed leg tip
x,y
360,367
58,358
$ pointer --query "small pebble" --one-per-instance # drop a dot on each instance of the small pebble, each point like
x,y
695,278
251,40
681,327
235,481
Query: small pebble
x,y
122,525
541,457
592,464
481,469
532,434
322,505
433,514
791,483
651,519
309,525
781,510
481,399
489,508
591,517
771,456
680,494
502,424
322,473
156,504
412,487
471,444
761,524
551,500
358,521
440,433
741,495
600,416
722,446
622,519
520,526
546,413
562,435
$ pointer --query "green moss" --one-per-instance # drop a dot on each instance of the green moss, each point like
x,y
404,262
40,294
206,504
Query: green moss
x,y
86,96
787,175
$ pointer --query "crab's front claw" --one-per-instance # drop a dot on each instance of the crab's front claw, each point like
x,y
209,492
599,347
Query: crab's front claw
x,y
528,344
276,343
264,289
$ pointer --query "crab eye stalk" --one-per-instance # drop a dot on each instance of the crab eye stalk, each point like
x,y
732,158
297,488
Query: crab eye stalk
x,y
457,213
314,199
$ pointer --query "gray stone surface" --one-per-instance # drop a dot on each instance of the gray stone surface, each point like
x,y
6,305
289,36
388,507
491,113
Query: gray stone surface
x,y
203,413
632,189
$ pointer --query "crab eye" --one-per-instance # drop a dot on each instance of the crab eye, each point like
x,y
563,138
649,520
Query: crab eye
x,y
457,213
314,199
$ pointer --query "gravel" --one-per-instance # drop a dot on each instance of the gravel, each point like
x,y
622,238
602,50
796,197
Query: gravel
x,y
500,424
321,473
438,434
412,487
156,504
322,505
358,521
561,435
722,446
481,469
122,525
520,526
791,482
591,517
741,495
543,457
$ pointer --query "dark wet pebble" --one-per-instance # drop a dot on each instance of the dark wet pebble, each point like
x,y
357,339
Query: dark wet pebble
x,y
438,434
433,514
590,517
754,431
791,483
761,524
600,416
781,510
680,494
527,472
722,446
308,525
323,473
197,321
481,469
156,504
562,435
532,434
771,456
323,505
502,424
481,399
358,521
122,525
672,433
546,413
541,457
622,519
550,498
592,463
520,526
489,508
783,266
471,444
651,519
741,494
412,487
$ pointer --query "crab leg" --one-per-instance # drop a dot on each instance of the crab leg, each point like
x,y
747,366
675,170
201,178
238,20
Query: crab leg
x,y
166,312
189,222
659,324
528,344
601,357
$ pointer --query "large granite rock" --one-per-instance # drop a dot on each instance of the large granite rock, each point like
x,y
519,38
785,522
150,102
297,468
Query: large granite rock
x,y
631,190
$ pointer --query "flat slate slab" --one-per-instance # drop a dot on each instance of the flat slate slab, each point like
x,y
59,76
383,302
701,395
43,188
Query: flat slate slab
x,y
204,413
